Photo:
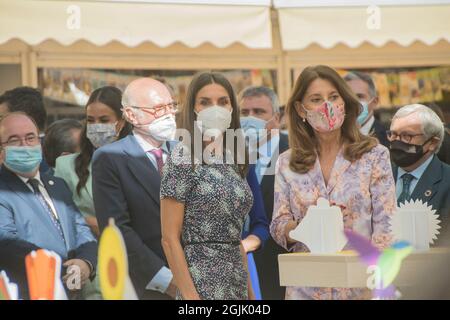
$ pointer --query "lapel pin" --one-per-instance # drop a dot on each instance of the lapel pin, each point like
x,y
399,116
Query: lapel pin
x,y
427,193
50,182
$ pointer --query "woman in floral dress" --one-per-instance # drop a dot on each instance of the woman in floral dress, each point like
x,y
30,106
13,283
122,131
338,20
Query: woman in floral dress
x,y
330,158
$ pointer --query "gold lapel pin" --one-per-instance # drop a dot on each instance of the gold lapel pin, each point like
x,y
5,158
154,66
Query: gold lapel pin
x,y
427,193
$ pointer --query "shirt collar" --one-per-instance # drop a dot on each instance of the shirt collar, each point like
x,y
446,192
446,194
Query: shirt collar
x,y
418,172
147,146
267,150
37,177
365,129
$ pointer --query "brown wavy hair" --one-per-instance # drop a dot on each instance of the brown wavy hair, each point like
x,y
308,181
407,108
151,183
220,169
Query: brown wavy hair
x,y
187,116
302,139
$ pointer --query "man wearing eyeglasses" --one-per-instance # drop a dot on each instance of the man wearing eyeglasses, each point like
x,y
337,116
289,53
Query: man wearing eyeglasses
x,y
126,184
37,210
30,101
415,136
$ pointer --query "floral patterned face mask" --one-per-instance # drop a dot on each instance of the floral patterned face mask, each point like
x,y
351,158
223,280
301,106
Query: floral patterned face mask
x,y
327,117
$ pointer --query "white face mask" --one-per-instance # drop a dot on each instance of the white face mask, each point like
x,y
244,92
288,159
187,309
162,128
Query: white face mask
x,y
161,129
215,117
101,133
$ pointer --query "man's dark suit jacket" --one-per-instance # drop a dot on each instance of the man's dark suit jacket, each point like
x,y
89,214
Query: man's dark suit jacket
x,y
434,188
126,187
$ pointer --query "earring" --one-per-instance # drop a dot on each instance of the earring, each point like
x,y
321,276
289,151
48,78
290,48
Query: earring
x,y
304,120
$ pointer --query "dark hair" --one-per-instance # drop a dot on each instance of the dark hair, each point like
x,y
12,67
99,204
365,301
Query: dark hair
x,y
187,115
28,100
302,139
59,139
111,97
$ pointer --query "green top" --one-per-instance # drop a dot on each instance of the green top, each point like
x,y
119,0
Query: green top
x,y
65,169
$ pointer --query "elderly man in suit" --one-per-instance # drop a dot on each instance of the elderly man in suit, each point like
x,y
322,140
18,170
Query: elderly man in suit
x,y
126,184
36,210
415,136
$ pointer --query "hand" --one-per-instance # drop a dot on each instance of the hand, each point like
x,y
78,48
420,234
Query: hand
x,y
191,296
85,271
291,225
251,243
93,224
172,289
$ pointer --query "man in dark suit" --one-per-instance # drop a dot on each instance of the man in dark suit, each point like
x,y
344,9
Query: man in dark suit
x,y
416,135
364,88
260,105
126,184
37,210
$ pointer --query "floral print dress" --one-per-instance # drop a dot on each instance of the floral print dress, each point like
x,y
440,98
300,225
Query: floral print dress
x,y
217,200
364,189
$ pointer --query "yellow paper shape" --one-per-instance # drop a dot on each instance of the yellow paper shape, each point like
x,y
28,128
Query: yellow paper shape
x,y
113,265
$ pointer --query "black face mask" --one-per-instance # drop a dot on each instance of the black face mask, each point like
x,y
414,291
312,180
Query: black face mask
x,y
405,154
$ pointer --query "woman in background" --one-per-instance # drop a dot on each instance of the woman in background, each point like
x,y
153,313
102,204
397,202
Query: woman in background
x,y
104,124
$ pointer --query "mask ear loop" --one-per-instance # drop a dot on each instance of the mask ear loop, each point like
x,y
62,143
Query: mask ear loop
x,y
428,140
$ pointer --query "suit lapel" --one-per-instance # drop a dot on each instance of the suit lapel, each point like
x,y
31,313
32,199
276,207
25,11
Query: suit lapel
x,y
395,172
17,186
427,187
339,167
142,168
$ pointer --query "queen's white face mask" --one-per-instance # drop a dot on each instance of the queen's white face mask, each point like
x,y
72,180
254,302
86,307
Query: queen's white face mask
x,y
215,117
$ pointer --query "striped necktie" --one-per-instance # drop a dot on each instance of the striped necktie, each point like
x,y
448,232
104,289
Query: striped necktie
x,y
55,221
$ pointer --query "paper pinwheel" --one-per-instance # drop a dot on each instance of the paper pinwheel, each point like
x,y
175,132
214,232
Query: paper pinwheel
x,y
388,261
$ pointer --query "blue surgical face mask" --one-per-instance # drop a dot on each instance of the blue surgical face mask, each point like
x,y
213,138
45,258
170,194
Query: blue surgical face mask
x,y
365,111
252,126
23,159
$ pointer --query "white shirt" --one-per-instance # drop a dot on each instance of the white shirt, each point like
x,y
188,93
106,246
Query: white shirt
x,y
266,153
147,147
42,190
164,276
365,129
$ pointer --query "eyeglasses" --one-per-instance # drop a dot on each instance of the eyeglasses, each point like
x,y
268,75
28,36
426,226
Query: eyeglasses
x,y
16,142
405,137
160,110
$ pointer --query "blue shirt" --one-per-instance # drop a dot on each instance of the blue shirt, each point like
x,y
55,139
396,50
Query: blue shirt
x,y
416,173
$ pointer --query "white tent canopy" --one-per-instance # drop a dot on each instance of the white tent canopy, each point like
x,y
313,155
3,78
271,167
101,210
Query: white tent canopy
x,y
192,23
224,22
352,22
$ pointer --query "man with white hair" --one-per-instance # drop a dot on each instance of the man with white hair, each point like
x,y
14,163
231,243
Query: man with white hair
x,y
126,184
415,136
